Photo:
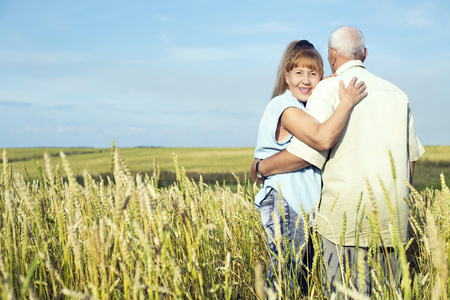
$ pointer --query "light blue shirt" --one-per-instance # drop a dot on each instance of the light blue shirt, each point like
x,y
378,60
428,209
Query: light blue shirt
x,y
299,187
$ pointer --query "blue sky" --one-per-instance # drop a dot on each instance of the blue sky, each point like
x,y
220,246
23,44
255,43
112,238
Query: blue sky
x,y
195,73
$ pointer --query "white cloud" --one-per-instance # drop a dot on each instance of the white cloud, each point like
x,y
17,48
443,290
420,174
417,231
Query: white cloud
x,y
76,129
136,129
390,16
198,54
108,103
28,59
417,18
195,55
166,37
15,104
164,18
33,129
264,28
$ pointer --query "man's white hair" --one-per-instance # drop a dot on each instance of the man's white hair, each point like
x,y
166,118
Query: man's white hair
x,y
348,41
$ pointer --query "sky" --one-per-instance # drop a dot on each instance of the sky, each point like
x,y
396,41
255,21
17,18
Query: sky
x,y
180,73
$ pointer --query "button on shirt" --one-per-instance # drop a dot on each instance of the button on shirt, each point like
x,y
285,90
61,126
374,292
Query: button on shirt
x,y
372,154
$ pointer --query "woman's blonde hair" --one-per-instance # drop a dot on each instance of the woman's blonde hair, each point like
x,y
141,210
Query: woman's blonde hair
x,y
297,54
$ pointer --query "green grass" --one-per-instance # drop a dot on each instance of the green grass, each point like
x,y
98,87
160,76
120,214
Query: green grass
x,y
213,164
95,161
436,160
437,153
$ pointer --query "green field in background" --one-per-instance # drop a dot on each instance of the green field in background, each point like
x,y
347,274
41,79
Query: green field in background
x,y
213,163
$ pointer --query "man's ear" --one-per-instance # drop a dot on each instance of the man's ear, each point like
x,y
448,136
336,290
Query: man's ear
x,y
332,54
365,55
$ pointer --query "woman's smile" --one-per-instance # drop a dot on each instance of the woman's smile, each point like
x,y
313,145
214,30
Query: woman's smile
x,y
301,82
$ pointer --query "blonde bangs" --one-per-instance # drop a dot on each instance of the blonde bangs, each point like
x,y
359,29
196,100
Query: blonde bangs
x,y
307,59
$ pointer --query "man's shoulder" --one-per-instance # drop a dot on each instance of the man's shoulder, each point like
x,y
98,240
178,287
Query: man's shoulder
x,y
376,82
328,85
385,84
330,81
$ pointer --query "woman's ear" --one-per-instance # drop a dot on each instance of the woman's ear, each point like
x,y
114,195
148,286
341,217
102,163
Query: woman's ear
x,y
286,74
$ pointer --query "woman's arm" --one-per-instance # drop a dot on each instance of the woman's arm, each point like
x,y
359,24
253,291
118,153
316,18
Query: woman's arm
x,y
322,136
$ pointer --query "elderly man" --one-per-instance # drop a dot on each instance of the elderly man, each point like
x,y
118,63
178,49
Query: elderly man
x,y
373,156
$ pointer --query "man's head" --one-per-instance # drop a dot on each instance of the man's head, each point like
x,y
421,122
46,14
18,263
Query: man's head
x,y
345,43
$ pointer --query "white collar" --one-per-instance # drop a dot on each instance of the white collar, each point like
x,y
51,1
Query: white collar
x,y
348,65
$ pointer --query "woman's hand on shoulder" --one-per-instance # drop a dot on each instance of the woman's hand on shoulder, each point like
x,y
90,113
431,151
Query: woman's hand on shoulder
x,y
353,93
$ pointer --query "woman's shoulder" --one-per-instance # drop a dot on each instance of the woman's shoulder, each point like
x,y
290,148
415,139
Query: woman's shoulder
x,y
285,100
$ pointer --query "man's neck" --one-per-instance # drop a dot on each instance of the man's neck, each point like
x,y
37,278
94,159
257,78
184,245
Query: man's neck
x,y
340,61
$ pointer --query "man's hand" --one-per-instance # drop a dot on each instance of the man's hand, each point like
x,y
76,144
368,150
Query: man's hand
x,y
253,171
282,162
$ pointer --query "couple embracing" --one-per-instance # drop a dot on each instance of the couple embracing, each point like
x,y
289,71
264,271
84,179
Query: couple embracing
x,y
335,143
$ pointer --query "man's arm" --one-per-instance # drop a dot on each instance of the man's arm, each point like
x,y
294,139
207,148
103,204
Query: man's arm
x,y
282,162
411,171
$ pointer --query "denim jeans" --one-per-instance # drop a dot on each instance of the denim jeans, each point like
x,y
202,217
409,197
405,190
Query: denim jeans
x,y
293,238
332,270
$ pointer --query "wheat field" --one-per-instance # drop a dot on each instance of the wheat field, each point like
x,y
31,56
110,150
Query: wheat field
x,y
214,164
125,237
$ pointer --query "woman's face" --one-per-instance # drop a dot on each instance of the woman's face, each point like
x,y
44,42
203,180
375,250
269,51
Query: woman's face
x,y
301,82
